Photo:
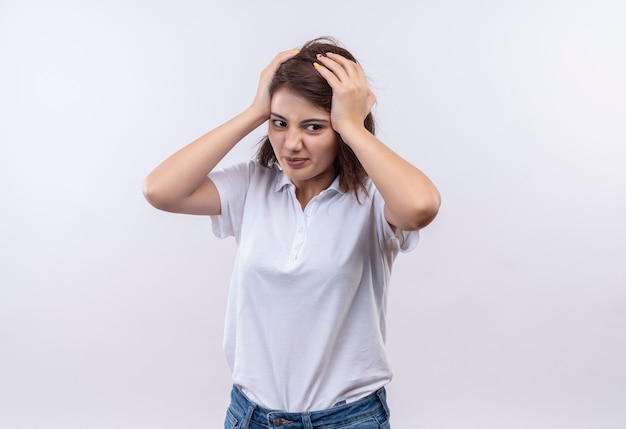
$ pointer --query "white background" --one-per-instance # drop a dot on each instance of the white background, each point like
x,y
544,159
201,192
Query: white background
x,y
510,314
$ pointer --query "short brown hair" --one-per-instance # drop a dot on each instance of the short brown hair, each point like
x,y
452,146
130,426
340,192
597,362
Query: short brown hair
x,y
298,75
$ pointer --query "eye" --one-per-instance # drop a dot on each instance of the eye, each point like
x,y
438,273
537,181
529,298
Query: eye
x,y
313,127
279,123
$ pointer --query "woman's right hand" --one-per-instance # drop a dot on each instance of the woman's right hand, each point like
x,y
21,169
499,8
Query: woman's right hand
x,y
262,99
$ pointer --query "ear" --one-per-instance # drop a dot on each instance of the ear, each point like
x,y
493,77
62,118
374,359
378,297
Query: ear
x,y
371,100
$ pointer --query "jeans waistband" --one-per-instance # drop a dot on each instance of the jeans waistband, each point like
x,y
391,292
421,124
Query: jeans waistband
x,y
370,406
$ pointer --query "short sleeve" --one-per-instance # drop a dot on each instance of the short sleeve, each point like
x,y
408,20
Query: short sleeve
x,y
407,240
402,241
232,185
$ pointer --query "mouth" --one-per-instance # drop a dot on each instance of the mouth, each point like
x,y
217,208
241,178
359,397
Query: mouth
x,y
294,161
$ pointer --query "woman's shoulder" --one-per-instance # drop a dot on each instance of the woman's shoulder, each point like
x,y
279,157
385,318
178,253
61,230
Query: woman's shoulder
x,y
251,168
263,172
263,177
369,189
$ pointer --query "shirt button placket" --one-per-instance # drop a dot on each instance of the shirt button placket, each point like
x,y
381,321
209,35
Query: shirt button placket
x,y
298,240
310,210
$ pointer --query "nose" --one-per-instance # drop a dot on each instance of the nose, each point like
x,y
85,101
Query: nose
x,y
293,139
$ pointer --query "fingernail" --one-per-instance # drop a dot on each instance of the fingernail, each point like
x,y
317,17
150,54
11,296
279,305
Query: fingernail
x,y
316,65
296,51
320,56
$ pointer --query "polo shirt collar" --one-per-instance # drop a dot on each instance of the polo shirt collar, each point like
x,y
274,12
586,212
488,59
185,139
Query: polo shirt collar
x,y
282,180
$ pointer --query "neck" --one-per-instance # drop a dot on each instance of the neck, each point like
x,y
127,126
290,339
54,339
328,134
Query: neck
x,y
309,189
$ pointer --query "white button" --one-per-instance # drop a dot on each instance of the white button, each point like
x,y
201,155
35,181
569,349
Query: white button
x,y
300,230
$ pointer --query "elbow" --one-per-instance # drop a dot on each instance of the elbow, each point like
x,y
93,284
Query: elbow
x,y
154,195
429,208
427,215
422,213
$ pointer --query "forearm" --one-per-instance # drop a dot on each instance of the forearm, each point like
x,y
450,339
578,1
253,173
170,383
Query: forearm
x,y
183,172
411,199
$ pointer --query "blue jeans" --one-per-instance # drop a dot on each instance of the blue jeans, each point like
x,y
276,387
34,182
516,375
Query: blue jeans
x,y
370,412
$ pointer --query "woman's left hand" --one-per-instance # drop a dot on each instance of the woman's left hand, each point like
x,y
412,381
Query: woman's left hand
x,y
352,98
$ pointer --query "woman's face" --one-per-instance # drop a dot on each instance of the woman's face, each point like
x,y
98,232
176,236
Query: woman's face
x,y
303,139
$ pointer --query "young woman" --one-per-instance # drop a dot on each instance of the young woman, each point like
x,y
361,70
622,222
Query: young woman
x,y
318,217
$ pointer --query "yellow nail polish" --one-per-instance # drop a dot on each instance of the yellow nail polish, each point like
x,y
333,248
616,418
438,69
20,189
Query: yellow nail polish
x,y
316,65
296,51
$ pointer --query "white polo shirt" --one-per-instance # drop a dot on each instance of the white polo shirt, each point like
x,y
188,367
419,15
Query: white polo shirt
x,y
305,321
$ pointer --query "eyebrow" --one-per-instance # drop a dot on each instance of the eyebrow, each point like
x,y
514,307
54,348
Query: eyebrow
x,y
302,122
